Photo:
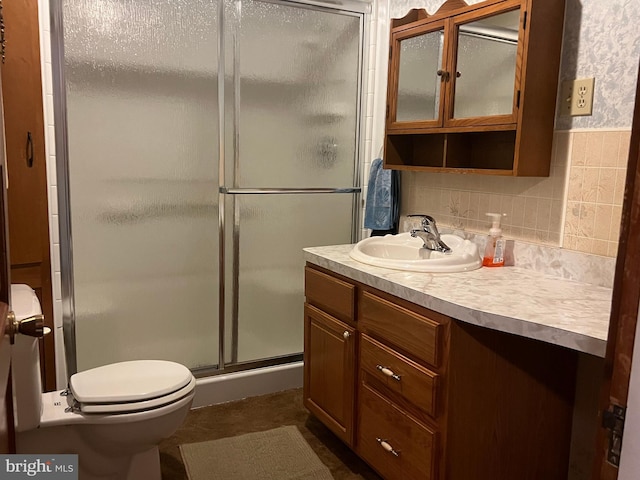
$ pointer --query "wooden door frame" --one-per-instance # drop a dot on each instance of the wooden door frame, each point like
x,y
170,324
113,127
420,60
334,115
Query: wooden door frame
x,y
27,197
7,425
625,302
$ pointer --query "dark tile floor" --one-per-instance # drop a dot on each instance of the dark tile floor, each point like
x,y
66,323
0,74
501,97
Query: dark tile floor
x,y
258,414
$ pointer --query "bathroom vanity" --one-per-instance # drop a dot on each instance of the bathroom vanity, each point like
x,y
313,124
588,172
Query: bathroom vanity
x,y
440,376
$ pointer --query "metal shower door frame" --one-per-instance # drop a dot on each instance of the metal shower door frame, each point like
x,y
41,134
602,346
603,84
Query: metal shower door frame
x,y
361,8
225,191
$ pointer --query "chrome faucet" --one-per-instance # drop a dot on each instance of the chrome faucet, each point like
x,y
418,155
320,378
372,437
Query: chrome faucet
x,y
429,234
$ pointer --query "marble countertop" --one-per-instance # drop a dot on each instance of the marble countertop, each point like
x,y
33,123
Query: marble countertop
x,y
509,299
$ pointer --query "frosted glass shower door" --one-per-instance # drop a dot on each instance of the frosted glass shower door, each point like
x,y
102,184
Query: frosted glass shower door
x,y
292,101
273,231
141,110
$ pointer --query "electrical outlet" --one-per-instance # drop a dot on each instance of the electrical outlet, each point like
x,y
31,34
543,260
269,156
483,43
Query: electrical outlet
x,y
576,97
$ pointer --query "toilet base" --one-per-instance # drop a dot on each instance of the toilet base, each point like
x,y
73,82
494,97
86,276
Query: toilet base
x,y
119,447
145,465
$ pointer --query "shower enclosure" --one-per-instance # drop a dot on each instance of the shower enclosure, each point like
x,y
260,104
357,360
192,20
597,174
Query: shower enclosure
x,y
201,144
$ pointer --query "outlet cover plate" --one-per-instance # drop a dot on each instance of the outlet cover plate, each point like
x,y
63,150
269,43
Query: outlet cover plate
x,y
576,97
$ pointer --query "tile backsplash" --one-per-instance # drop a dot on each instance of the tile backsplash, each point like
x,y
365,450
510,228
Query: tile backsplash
x,y
595,191
577,207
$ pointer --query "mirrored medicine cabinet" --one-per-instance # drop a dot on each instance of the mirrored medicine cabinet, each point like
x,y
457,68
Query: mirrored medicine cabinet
x,y
472,88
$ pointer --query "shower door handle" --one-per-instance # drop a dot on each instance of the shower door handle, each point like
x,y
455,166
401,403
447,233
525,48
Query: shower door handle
x,y
275,191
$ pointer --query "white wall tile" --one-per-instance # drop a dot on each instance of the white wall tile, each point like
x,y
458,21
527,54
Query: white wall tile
x,y
55,250
48,105
57,286
53,201
55,229
52,179
57,313
51,139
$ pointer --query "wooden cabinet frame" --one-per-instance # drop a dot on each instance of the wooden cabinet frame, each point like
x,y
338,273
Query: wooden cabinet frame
x,y
501,405
516,144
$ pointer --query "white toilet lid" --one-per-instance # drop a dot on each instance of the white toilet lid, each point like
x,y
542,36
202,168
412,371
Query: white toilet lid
x,y
132,381
130,407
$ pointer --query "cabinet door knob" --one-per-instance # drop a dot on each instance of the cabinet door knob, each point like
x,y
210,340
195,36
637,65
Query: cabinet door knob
x,y
346,335
388,372
387,447
443,74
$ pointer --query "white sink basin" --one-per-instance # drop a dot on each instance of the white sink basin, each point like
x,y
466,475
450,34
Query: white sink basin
x,y
403,252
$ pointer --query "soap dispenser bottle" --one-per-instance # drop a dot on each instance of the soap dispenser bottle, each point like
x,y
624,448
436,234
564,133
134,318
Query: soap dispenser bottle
x,y
494,251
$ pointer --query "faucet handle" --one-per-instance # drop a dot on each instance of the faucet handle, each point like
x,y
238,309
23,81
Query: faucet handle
x,y
427,220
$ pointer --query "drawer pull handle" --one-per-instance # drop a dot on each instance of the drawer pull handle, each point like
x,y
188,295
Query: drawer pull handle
x,y
388,372
387,447
346,335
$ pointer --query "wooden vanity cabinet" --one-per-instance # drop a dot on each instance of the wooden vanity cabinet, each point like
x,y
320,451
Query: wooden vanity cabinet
x,y
399,409
433,398
472,88
330,352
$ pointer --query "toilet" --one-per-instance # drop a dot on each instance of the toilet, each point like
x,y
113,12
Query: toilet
x,y
113,416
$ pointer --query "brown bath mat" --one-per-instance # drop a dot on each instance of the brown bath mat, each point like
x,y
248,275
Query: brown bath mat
x,y
278,454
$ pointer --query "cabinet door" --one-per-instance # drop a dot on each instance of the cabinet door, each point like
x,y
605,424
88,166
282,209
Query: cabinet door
x,y
417,77
329,371
485,63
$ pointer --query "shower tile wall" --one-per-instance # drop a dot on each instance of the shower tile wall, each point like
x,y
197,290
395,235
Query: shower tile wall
x,y
50,143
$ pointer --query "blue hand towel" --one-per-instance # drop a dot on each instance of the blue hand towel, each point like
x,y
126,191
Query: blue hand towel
x,y
382,207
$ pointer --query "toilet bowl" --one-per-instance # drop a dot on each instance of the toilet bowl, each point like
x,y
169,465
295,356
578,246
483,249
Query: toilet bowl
x,y
113,416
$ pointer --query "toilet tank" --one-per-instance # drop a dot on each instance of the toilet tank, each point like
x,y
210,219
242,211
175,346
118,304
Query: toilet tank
x,y
25,363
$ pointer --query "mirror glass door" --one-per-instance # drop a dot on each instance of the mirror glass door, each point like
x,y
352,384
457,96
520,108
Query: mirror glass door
x,y
486,66
419,83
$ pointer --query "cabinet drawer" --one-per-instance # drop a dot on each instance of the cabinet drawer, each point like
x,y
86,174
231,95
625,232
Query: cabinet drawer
x,y
411,332
330,294
413,382
393,443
